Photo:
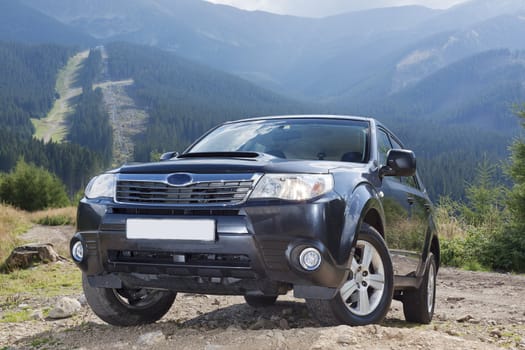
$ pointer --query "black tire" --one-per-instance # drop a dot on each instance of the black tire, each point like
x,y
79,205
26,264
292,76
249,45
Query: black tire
x,y
127,307
260,300
366,299
418,304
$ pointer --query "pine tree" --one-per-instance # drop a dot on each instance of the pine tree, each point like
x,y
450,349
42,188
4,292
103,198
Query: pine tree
x,y
513,238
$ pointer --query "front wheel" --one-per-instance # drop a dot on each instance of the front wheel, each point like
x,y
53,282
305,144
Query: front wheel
x,y
418,304
365,298
128,307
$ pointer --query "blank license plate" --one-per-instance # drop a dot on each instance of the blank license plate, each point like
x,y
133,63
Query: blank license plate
x,y
176,229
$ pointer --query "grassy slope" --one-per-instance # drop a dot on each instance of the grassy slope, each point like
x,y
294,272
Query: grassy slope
x,y
13,222
53,126
46,280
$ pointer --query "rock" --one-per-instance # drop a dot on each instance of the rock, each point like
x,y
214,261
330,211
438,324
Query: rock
x,y
151,338
37,315
495,333
442,317
25,256
65,307
346,339
465,318
82,300
452,333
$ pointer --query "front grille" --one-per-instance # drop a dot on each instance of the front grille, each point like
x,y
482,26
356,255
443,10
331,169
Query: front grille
x,y
210,192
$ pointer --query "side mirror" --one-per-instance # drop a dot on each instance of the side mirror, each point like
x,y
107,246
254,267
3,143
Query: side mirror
x,y
399,162
168,156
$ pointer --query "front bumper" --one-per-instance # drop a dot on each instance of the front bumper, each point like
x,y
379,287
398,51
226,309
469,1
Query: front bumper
x,y
256,249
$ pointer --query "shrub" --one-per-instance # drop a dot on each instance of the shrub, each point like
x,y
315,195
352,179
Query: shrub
x,y
31,188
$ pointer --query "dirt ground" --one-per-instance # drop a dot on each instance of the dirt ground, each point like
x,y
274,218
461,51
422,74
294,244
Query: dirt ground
x,y
474,310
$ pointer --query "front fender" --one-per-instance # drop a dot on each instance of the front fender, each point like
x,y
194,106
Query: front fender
x,y
359,203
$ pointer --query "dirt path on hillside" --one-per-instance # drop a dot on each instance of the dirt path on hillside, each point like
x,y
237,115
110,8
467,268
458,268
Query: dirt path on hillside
x,y
126,118
474,310
53,126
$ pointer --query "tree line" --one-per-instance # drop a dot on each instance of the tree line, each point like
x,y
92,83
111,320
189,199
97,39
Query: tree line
x,y
27,90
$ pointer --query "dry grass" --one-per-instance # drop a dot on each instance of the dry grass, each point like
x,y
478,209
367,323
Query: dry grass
x,y
448,225
55,217
13,222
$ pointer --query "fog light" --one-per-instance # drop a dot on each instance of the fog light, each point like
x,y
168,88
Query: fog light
x,y
77,251
310,259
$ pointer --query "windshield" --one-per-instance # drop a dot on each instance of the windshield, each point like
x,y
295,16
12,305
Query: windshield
x,y
310,139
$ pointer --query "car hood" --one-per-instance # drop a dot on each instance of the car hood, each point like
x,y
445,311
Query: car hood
x,y
230,163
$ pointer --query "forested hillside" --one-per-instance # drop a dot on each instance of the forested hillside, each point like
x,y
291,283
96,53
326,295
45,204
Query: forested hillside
x,y
89,124
27,90
184,99
28,83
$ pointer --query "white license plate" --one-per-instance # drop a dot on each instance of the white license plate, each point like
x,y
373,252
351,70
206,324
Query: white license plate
x,y
175,229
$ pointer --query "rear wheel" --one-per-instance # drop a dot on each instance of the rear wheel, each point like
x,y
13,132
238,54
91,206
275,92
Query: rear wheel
x,y
260,300
418,304
128,307
365,298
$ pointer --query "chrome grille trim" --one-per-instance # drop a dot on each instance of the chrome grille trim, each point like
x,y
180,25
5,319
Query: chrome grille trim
x,y
204,189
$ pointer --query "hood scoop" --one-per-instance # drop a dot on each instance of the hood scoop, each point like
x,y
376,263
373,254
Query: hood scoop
x,y
220,155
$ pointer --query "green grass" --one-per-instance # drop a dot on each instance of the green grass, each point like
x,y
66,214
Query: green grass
x,y
44,343
16,316
44,280
57,220
40,282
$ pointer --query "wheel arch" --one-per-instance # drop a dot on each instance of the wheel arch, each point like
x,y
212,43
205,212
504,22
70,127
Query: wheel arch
x,y
363,206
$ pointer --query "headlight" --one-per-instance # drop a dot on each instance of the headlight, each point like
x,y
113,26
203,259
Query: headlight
x,y
293,187
101,186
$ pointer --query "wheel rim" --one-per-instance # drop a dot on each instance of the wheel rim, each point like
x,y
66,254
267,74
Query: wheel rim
x,y
138,298
362,294
431,287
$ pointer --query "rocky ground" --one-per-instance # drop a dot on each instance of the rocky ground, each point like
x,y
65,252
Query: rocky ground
x,y
474,310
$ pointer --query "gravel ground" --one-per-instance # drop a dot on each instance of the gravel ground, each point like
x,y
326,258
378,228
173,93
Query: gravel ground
x,y
474,310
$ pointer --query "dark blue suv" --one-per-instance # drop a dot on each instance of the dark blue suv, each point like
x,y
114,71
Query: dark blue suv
x,y
329,206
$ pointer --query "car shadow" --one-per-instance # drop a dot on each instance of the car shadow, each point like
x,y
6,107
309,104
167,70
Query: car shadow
x,y
283,315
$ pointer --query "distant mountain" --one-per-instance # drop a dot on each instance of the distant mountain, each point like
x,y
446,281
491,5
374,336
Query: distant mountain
x,y
271,50
431,54
21,23
480,90
471,12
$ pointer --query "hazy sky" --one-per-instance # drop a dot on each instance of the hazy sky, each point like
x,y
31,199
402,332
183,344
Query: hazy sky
x,y
321,8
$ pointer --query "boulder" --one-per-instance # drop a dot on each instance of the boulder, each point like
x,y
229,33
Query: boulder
x,y
29,254
65,307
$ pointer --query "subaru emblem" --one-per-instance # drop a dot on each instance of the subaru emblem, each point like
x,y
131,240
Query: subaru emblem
x,y
180,179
